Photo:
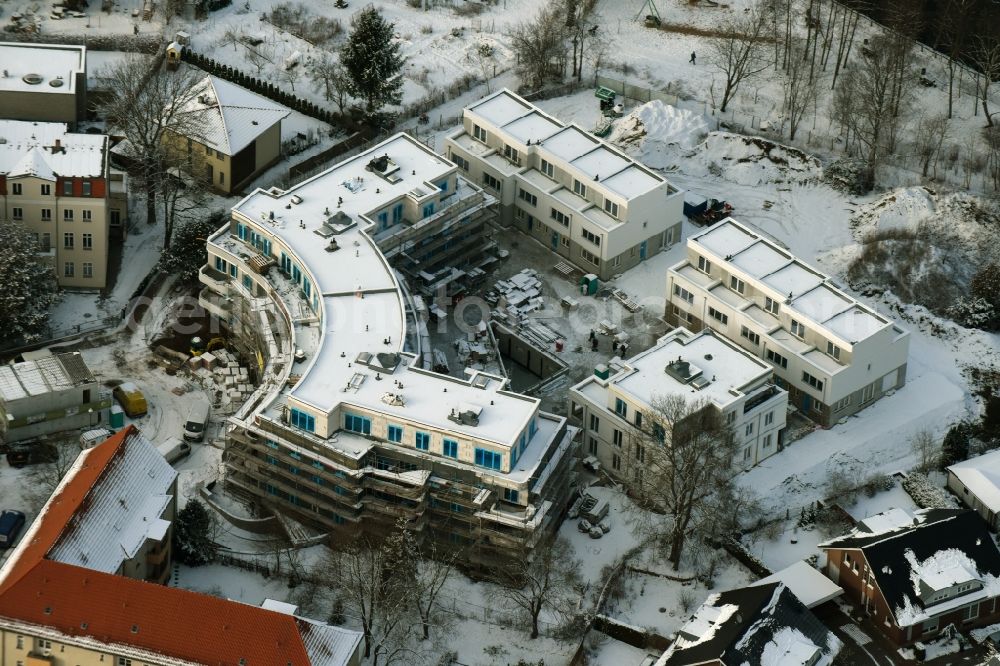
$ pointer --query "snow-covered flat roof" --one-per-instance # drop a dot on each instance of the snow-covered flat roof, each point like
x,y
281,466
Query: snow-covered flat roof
x,y
600,163
631,181
726,367
59,63
760,259
122,510
362,305
981,475
501,108
805,582
821,303
533,127
570,143
793,279
724,239
855,324
29,149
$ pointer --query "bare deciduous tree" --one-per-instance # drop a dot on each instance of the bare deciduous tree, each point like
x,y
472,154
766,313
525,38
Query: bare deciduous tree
x,y
373,580
799,90
483,55
259,55
433,568
331,77
683,454
149,105
739,54
868,102
929,137
926,449
538,43
45,476
986,56
545,580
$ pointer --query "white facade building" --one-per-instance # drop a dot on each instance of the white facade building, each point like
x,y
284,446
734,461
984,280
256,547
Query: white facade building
x,y
586,200
832,353
705,368
347,429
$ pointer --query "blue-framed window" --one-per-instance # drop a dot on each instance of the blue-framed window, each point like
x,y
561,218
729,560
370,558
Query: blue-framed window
x,y
489,459
317,464
233,270
286,263
271,444
271,460
337,519
296,274
383,220
340,490
457,508
621,409
450,448
295,455
220,264
423,441
513,457
293,469
395,433
397,213
524,441
306,287
318,480
247,282
443,185
510,495
241,231
533,428
359,424
429,209
303,420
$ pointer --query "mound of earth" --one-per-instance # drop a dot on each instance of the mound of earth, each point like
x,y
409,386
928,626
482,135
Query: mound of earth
x,y
751,160
654,126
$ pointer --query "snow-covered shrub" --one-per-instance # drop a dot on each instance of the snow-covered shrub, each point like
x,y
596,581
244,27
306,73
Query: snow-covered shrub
x,y
974,312
925,494
846,174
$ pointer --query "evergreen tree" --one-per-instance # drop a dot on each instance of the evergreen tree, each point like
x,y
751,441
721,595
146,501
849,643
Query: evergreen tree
x,y
193,544
955,447
373,63
29,287
186,254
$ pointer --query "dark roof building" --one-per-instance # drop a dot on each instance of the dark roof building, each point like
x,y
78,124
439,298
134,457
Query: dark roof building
x,y
765,625
917,574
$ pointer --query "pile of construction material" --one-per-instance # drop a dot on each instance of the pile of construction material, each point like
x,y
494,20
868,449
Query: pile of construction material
x,y
517,296
231,380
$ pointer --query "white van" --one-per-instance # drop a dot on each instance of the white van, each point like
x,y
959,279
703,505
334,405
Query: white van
x,y
194,428
174,449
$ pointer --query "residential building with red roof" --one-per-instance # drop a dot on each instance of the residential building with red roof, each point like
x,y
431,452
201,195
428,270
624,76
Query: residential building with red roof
x,y
76,591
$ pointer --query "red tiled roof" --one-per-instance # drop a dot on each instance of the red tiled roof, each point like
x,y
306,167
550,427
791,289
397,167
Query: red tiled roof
x,y
168,621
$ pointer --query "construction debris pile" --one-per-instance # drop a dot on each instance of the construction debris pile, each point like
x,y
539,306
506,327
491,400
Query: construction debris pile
x,y
222,371
516,296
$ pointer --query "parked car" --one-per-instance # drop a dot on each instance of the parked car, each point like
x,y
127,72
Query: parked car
x,y
131,399
174,449
194,428
11,523
21,454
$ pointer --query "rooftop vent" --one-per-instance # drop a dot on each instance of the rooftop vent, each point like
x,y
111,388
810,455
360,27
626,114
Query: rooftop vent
x,y
296,199
332,246
32,79
393,399
337,223
465,414
385,167
682,370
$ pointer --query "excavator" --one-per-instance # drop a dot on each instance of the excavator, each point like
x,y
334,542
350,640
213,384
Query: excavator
x,y
199,347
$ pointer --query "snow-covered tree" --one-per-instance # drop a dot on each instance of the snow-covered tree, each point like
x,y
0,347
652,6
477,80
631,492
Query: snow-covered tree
x,y
740,53
29,287
193,528
373,62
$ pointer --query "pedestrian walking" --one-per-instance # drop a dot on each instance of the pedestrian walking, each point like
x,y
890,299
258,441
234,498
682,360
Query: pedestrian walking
x,y
614,345
593,344
692,58
592,336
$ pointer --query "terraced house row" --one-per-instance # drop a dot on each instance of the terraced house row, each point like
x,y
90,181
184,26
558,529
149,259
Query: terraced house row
x,y
833,354
347,431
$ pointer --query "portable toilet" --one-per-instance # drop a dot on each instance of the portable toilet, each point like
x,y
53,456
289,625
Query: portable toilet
x,y
589,284
117,417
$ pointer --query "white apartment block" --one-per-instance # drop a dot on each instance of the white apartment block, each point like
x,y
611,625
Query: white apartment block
x,y
43,82
832,353
59,185
558,183
617,412
347,430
